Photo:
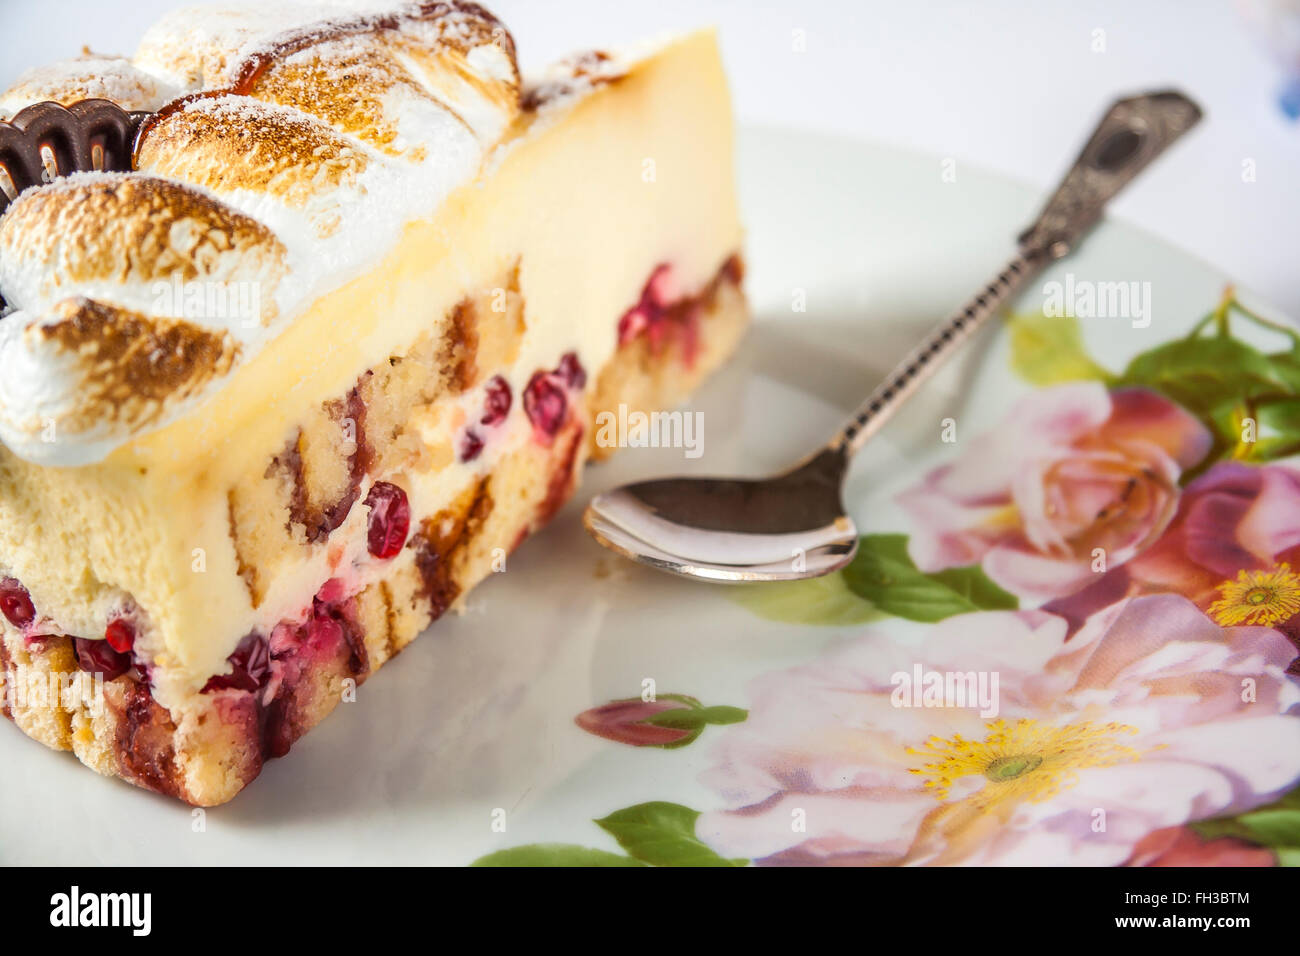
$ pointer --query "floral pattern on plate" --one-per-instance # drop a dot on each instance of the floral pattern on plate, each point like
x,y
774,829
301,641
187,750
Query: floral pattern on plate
x,y
1108,592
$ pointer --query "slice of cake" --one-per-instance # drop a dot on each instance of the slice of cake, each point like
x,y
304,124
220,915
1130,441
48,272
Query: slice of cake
x,y
282,394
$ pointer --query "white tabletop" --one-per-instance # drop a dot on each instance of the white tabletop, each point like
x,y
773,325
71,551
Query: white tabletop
x,y
1003,84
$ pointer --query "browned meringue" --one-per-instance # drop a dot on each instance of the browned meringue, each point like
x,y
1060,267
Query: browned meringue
x,y
305,135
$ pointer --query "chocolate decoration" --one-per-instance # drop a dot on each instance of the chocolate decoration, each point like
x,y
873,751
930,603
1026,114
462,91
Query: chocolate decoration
x,y
47,140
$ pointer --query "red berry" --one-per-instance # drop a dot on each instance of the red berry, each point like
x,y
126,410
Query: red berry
x,y
250,666
634,322
323,631
658,298
120,635
97,657
390,519
16,603
331,592
661,287
496,403
571,370
545,403
471,445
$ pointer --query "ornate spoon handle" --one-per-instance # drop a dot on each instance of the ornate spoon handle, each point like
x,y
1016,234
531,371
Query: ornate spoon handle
x,y
1133,132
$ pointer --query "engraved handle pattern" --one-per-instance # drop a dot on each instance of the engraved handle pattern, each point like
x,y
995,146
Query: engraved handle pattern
x,y
925,359
1129,137
1133,132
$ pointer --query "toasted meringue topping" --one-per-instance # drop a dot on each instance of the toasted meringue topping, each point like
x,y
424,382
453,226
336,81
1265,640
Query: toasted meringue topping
x,y
573,77
199,47
88,77
116,236
353,84
135,363
94,371
304,135
225,143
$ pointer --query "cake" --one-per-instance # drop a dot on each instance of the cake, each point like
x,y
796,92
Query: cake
x,y
279,395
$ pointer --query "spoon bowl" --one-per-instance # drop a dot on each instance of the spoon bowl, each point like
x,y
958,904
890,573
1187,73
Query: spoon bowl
x,y
733,530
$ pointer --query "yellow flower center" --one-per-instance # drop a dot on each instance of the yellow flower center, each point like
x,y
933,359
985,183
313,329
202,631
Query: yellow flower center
x,y
1258,597
1024,760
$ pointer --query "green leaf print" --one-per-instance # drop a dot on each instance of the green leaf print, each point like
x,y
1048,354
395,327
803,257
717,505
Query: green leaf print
x,y
653,834
827,600
692,719
662,834
1202,374
1049,350
1276,826
554,854
883,573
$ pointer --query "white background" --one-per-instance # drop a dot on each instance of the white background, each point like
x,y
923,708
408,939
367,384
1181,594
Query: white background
x,y
1010,86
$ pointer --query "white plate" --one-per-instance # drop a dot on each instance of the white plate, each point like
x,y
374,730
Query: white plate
x,y
478,716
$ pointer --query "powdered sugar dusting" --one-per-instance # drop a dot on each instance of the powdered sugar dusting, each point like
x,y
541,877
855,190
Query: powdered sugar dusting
x,y
88,77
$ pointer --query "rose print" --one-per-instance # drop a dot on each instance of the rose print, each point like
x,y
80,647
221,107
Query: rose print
x,y
1073,473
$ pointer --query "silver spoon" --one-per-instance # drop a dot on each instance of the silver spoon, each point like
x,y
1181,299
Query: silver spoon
x,y
794,525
